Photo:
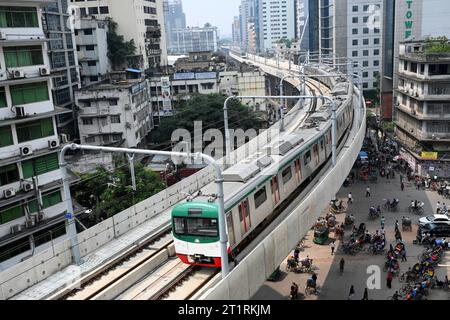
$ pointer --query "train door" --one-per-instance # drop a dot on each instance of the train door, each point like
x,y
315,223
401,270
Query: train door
x,y
316,153
230,229
298,171
244,216
275,190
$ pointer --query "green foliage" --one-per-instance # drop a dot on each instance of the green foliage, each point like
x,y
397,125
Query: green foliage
x,y
285,41
118,48
209,110
109,193
388,126
437,45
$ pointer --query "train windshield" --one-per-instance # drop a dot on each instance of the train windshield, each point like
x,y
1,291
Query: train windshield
x,y
205,227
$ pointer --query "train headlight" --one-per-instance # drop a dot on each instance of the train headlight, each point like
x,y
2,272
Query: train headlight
x,y
197,241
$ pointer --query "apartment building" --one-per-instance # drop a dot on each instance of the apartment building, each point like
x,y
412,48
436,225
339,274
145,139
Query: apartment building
x,y
194,39
276,21
30,177
92,50
63,63
115,112
423,104
174,18
140,20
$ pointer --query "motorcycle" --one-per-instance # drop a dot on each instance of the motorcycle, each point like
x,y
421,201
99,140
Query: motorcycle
x,y
373,213
417,209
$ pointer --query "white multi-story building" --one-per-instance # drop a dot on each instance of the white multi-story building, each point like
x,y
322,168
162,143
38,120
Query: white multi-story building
x,y
140,20
92,50
364,38
115,113
194,39
276,21
30,177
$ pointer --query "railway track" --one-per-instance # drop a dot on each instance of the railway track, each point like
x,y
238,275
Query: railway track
x,y
151,251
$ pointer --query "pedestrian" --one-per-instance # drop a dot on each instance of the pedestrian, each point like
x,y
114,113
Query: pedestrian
x,y
351,293
367,191
389,279
396,226
401,178
402,186
366,295
382,231
382,222
404,255
341,265
438,207
350,198
446,283
333,246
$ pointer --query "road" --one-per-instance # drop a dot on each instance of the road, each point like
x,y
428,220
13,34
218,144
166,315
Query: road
x,y
334,286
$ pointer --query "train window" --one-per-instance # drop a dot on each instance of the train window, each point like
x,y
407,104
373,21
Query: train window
x,y
307,158
260,197
321,144
230,229
287,175
275,190
316,153
180,225
244,216
202,227
298,170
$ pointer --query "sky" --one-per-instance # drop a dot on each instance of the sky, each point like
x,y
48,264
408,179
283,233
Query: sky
x,y
219,13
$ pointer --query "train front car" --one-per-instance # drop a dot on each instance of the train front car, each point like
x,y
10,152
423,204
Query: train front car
x,y
195,229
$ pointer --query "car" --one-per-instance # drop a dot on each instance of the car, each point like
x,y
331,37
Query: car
x,y
438,230
435,219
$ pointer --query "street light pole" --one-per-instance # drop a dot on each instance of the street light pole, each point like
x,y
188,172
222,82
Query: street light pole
x,y
70,224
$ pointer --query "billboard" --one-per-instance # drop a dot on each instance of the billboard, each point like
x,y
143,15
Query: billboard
x,y
166,94
429,155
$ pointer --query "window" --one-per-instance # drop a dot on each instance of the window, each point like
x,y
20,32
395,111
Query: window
x,y
365,30
113,102
29,93
34,130
18,17
93,78
355,9
244,216
117,137
11,214
88,31
6,138
365,41
48,200
115,119
376,52
40,165
230,229
354,53
376,63
354,31
260,197
90,48
104,10
205,227
376,41
89,139
307,158
355,20
365,74
376,30
366,8
93,10
87,121
365,19
92,63
287,175
9,174
23,56
3,103
355,42
365,85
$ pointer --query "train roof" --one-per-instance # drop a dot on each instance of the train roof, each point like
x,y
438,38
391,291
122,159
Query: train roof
x,y
195,209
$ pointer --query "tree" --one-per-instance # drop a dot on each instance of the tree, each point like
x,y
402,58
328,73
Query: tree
x,y
437,45
209,110
108,193
118,48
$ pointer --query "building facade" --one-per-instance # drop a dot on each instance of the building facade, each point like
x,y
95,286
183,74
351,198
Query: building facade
x,y
115,113
92,50
63,63
194,39
276,22
423,103
143,21
30,177
174,18
236,30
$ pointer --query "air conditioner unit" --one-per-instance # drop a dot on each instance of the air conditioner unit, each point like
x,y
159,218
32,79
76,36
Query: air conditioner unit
x,y
127,107
9,193
27,186
64,138
53,144
44,71
16,228
3,75
20,112
30,223
2,35
18,74
26,151
128,125
40,217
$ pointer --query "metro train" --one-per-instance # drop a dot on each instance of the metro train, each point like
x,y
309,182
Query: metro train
x,y
257,188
